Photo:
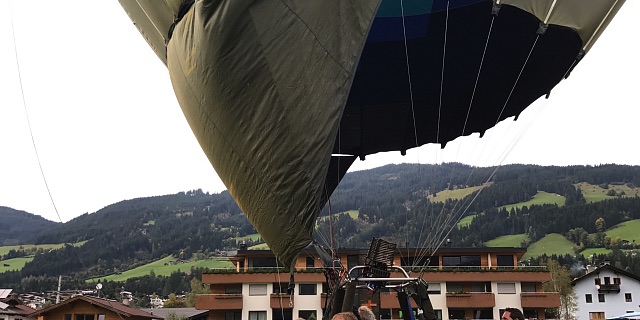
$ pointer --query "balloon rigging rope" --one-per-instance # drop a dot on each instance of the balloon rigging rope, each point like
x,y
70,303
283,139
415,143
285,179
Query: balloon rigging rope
x,y
24,104
444,54
413,111
432,240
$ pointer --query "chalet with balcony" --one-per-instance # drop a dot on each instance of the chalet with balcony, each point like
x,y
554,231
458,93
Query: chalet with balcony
x,y
606,291
464,283
91,308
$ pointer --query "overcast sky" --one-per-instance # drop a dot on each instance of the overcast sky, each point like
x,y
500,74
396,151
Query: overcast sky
x,y
107,126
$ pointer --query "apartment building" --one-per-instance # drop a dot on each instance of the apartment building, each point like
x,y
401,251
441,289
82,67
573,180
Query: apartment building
x,y
464,283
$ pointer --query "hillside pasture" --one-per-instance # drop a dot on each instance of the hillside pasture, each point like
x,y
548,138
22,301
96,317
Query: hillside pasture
x,y
456,194
591,251
466,221
594,193
539,199
552,243
14,264
165,266
627,230
509,241
32,247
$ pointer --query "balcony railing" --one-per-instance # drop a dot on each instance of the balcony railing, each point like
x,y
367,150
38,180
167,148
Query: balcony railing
x,y
468,300
607,288
219,301
281,301
540,299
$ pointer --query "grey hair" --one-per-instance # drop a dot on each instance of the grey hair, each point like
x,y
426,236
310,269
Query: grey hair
x,y
367,313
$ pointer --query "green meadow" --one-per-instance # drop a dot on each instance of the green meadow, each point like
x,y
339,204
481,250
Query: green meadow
x,y
553,243
165,267
509,241
627,230
14,264
456,194
540,198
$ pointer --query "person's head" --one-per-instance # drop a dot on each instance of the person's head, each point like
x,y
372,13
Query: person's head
x,y
344,316
512,314
366,313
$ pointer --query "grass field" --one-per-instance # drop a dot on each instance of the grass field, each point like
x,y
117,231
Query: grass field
x,y
457,194
589,251
627,230
466,220
252,237
593,193
14,264
510,241
164,267
552,243
262,246
5,249
540,198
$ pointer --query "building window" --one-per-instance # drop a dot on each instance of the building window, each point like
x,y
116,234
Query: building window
x,y
434,288
84,317
310,263
505,261
597,281
308,314
438,314
483,314
233,289
280,287
456,314
66,316
307,289
508,288
257,289
607,280
616,281
588,298
596,315
101,317
528,287
461,261
233,315
481,287
283,314
257,315
454,287
600,297
529,313
627,297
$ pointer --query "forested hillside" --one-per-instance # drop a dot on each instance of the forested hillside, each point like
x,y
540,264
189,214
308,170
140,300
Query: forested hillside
x,y
392,202
21,227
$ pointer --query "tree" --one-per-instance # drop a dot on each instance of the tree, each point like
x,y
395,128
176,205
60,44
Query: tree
x,y
174,302
196,288
601,225
561,282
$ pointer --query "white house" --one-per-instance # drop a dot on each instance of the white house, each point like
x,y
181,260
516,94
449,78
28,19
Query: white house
x,y
606,291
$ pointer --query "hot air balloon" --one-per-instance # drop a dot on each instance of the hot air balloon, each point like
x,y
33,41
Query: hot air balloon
x,y
283,96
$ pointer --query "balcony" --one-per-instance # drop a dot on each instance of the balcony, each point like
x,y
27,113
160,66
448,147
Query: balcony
x,y
540,299
469,300
608,288
219,302
281,301
389,300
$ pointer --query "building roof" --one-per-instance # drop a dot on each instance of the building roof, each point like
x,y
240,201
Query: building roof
x,y
111,305
606,267
5,293
186,312
10,304
440,251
